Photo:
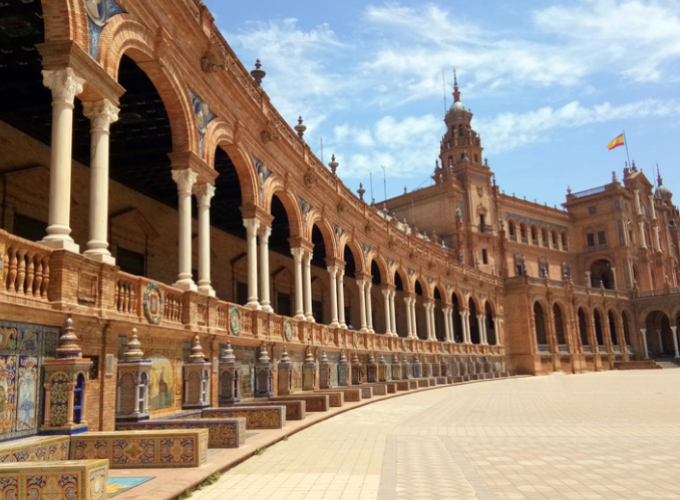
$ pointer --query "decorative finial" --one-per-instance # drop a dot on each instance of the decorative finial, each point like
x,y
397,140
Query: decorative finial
x,y
68,347
405,190
381,360
634,168
371,358
415,359
614,179
309,357
355,359
134,348
568,190
228,354
258,74
324,357
658,175
285,358
334,165
343,358
264,355
396,358
197,351
361,191
300,128
456,92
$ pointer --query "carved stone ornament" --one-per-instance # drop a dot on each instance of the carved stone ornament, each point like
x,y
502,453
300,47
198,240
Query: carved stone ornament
x,y
342,206
392,243
269,137
185,179
101,114
308,178
204,193
480,191
63,83
368,229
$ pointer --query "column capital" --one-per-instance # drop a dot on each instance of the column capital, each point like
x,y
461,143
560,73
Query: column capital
x,y
296,252
264,232
251,225
387,287
185,180
188,160
252,211
204,193
101,114
64,84
298,242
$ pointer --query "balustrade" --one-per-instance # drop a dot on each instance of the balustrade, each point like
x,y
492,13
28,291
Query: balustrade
x,y
27,268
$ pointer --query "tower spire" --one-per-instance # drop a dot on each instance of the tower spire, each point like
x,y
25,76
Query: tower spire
x,y
456,92
658,175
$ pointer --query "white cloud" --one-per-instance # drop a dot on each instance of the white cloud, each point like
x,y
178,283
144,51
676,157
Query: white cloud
x,y
509,131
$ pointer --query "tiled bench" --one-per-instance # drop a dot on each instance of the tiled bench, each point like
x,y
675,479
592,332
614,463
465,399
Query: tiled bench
x,y
35,449
257,417
378,389
442,381
391,387
351,394
224,433
313,402
403,385
336,397
295,409
423,382
366,392
413,384
432,381
77,480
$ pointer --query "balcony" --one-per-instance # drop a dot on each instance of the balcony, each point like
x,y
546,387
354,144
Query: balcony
x,y
485,229
597,248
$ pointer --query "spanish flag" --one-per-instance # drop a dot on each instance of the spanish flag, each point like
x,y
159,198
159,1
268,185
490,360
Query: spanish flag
x,y
616,143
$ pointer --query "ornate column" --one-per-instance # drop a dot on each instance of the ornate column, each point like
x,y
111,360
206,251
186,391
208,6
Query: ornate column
x,y
657,243
307,276
362,305
299,294
643,241
388,312
101,114
369,306
482,329
204,193
414,323
496,325
429,310
465,315
185,179
264,233
65,85
252,225
447,323
589,280
643,331
334,296
652,208
393,313
674,329
341,298
409,323
638,210
615,284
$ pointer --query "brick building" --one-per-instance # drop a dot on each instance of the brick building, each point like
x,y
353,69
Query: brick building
x,y
148,182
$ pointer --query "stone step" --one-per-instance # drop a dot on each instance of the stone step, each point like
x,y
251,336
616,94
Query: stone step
x,y
646,364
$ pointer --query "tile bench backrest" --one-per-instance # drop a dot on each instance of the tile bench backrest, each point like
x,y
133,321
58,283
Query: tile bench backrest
x,y
314,402
75,480
35,449
129,449
263,417
295,409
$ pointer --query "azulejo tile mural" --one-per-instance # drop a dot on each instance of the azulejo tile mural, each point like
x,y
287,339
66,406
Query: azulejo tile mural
x,y
161,388
118,485
35,449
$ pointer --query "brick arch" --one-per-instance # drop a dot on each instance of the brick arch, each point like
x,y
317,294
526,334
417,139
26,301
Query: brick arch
x,y
276,186
220,134
357,252
66,20
492,304
382,266
475,298
427,289
326,231
462,304
405,279
124,36
438,285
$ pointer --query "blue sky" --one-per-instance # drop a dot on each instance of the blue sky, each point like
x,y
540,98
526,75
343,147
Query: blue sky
x,y
550,84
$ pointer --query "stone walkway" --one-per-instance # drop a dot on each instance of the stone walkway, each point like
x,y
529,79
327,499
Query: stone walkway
x,y
612,435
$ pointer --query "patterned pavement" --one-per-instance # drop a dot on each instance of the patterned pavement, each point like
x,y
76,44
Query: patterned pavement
x,y
613,435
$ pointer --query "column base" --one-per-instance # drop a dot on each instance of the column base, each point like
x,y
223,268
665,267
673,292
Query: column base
x,y
104,258
335,324
267,308
310,318
187,285
254,305
343,326
300,317
207,290
61,243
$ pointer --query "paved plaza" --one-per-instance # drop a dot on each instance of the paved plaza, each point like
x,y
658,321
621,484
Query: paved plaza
x,y
603,435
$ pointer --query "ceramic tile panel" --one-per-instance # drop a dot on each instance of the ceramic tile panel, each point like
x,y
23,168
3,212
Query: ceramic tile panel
x,y
222,433
264,417
35,449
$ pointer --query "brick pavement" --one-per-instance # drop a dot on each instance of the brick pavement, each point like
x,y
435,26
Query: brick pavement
x,y
611,435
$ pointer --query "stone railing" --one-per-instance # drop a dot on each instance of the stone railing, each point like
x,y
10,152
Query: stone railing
x,y
129,297
656,293
25,267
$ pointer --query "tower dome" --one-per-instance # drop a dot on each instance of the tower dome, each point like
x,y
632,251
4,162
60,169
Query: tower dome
x,y
457,106
662,191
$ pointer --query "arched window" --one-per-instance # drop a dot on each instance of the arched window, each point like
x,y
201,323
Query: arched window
x,y
555,241
539,321
534,235
612,329
565,247
544,237
559,327
523,232
583,330
511,230
598,328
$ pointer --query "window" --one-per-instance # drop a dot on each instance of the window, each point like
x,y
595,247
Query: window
x,y
485,257
617,205
130,261
590,238
544,237
602,238
481,219
450,161
317,311
29,228
534,236
511,228
460,130
592,210
241,293
283,304
519,270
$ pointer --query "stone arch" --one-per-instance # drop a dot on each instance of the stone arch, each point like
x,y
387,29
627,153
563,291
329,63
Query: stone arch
x,y
583,327
659,333
424,285
555,239
474,308
523,231
404,277
613,326
512,229
474,298
533,233
357,253
545,239
601,273
560,322
540,327
439,287
599,319
380,261
565,240
125,36
220,134
66,20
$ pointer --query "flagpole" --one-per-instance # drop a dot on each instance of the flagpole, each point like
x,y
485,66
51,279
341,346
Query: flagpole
x,y
625,142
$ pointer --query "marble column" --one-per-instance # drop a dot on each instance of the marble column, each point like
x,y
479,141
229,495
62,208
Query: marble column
x,y
307,273
369,306
465,315
482,329
658,335
362,305
388,312
393,314
674,330
643,240
643,331
638,209
414,322
341,299
185,179
265,300
409,323
204,193
496,329
431,335
65,85
252,225
447,323
657,242
299,294
101,114
615,284
652,208
332,272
